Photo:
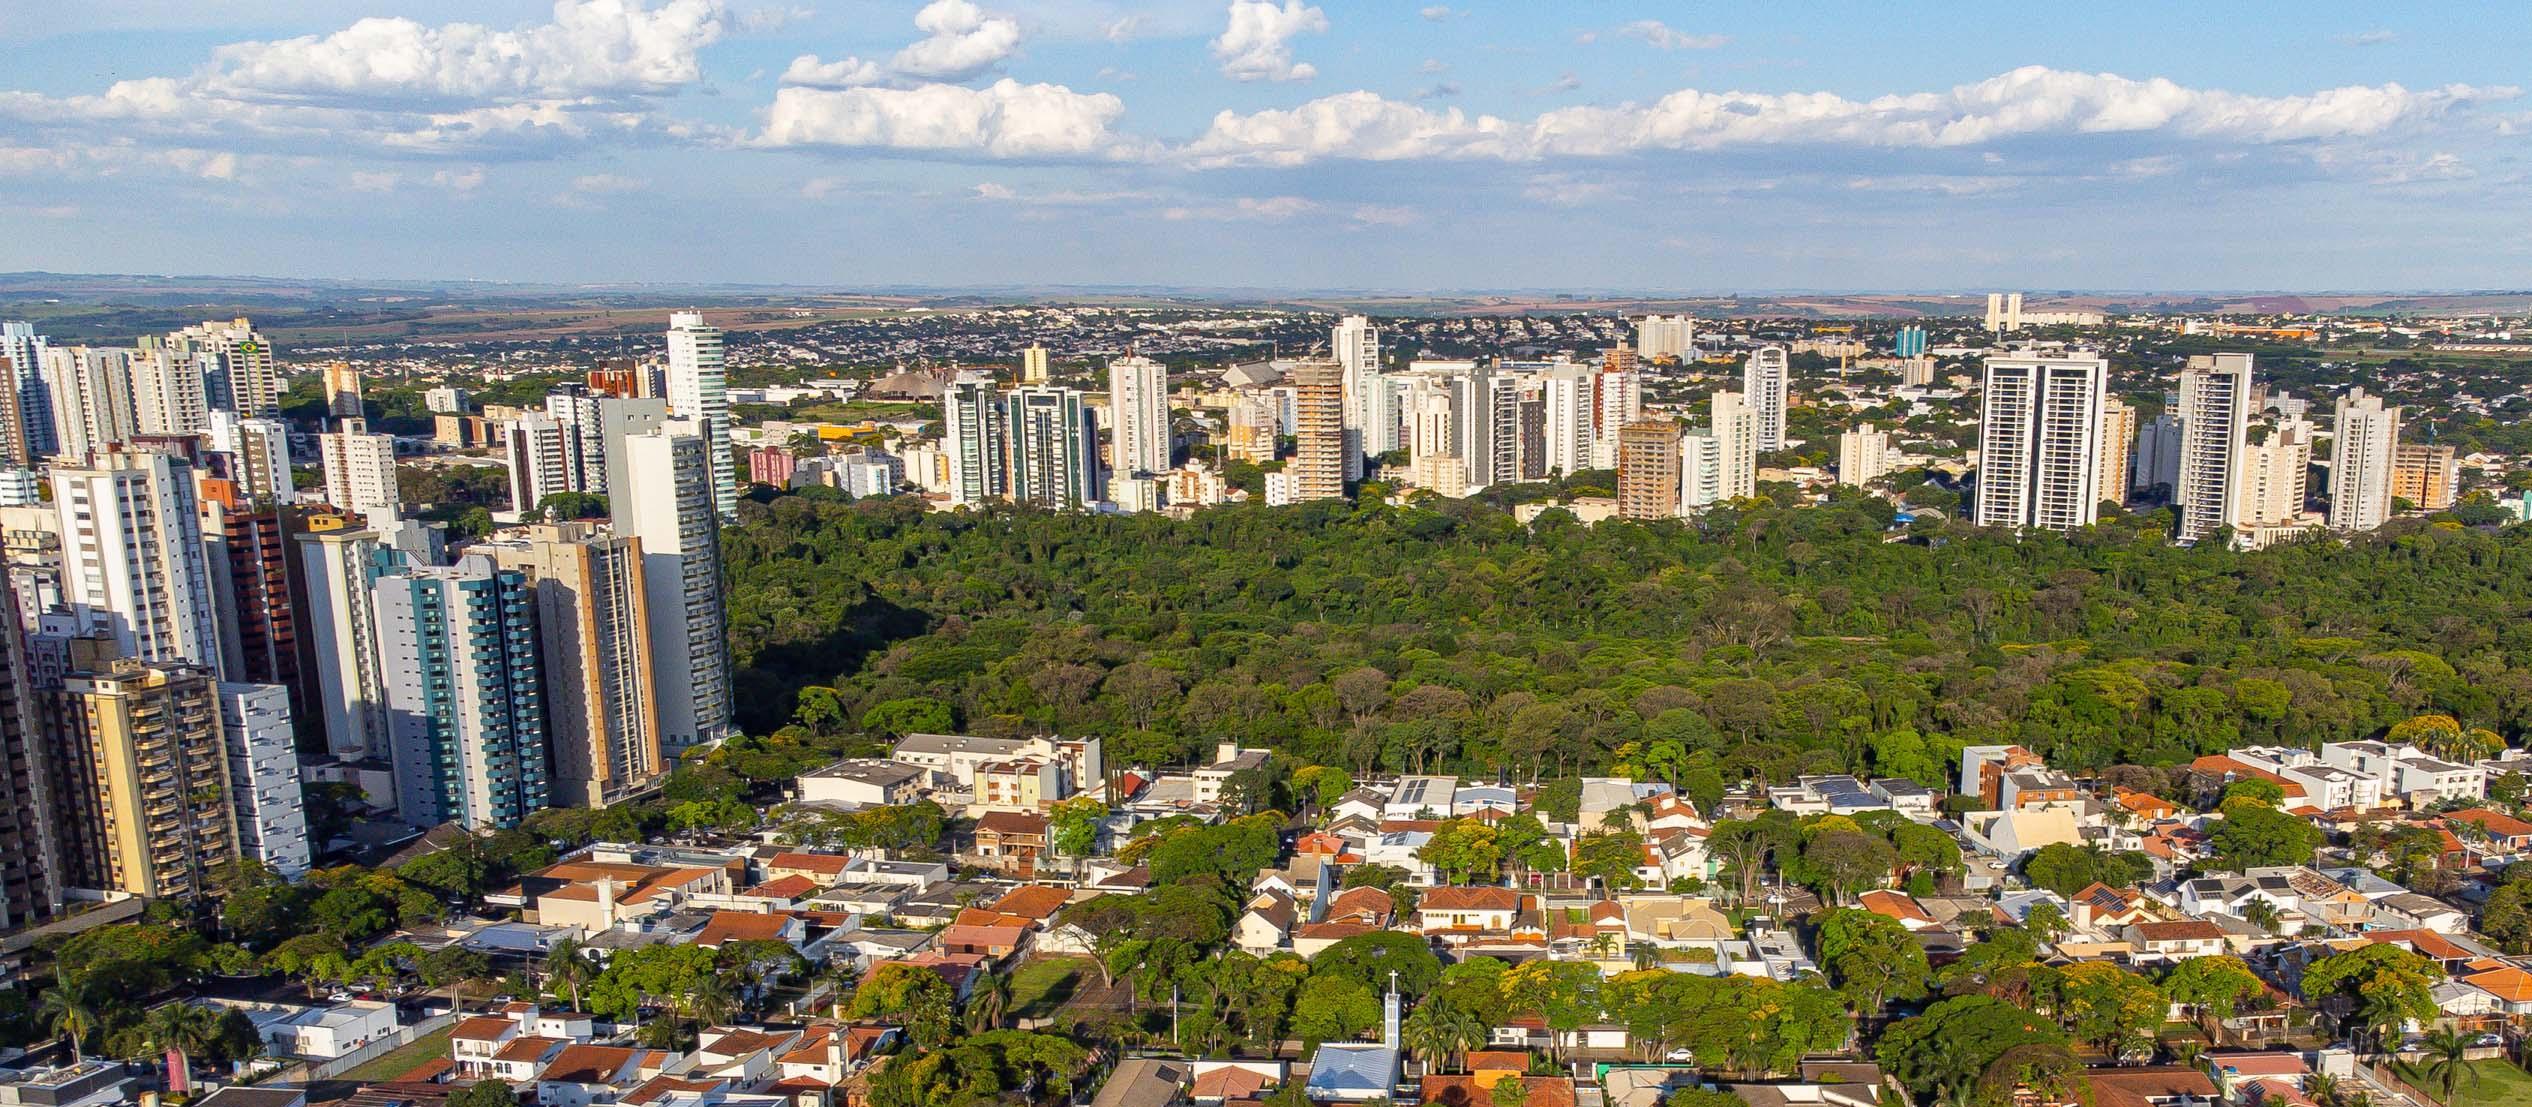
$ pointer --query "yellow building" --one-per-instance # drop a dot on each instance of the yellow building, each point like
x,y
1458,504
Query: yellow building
x,y
602,694
144,763
2426,476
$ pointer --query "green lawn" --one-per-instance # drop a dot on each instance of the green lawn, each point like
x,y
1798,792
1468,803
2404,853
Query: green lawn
x,y
1042,986
388,1066
2500,1084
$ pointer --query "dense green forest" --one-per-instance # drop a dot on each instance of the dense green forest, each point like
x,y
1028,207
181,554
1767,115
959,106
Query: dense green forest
x,y
1757,641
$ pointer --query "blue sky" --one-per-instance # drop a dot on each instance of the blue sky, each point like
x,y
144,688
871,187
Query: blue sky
x,y
1275,143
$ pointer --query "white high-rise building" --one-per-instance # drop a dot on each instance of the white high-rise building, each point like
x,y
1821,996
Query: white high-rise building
x,y
2215,414
91,398
1053,447
2276,474
1720,462
1138,403
1618,399
1864,455
698,389
272,818
971,435
259,450
167,393
1666,336
540,449
360,469
1766,379
28,434
2363,441
1567,393
681,577
134,562
247,381
2039,446
1356,344
618,418
340,620
2004,311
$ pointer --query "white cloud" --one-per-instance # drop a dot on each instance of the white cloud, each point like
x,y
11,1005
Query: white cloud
x,y
1566,190
960,43
2025,102
758,21
963,42
393,86
1386,215
2376,37
1122,29
372,182
1256,45
593,47
1438,13
459,180
606,182
1656,34
809,70
1270,209
1006,119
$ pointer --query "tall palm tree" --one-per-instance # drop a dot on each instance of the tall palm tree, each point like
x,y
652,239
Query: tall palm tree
x,y
987,1002
2447,1064
180,1030
2322,1088
567,971
1423,1033
714,1000
2262,914
71,1010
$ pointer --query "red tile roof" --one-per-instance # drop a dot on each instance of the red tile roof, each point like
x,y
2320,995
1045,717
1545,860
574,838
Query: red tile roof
x,y
1033,901
1452,897
1462,1091
742,926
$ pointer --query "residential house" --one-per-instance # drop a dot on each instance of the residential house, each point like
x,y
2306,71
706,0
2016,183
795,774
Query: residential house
x,y
1898,907
1012,840
1421,797
954,758
2174,941
582,1075
1453,907
862,782
1145,1082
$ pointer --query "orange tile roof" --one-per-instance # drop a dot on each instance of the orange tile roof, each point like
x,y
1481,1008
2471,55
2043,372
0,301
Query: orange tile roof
x,y
1229,1083
742,926
2185,930
660,1086
589,1064
1894,905
2510,984
793,886
1453,897
1033,901
2426,943
1462,1091
2496,823
1008,823
484,1028
829,863
528,1048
